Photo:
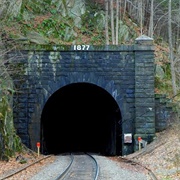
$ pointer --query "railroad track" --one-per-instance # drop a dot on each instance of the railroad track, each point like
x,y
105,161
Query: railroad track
x,y
150,173
24,168
81,166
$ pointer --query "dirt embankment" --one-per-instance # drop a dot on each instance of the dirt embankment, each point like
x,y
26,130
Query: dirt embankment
x,y
162,156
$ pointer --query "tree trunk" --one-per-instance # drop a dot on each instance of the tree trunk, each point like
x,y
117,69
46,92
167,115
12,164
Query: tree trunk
x,y
124,13
151,23
117,21
112,21
171,50
178,33
107,21
140,7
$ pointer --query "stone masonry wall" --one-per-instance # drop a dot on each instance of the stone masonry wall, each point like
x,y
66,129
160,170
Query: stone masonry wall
x,y
144,91
126,72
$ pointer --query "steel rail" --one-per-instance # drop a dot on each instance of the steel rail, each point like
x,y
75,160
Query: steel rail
x,y
61,176
150,172
97,167
65,172
25,167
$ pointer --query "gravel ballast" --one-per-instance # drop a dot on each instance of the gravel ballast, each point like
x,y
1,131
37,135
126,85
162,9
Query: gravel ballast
x,y
109,170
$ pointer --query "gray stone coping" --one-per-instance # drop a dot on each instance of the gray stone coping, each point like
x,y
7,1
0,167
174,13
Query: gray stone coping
x,y
86,47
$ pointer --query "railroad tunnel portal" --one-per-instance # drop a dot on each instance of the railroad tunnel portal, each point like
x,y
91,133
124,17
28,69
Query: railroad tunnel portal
x,y
48,100
81,117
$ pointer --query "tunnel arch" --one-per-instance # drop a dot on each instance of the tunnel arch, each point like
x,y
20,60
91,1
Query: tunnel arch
x,y
81,117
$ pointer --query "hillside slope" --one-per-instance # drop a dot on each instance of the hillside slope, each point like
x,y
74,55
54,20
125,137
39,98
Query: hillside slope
x,y
162,156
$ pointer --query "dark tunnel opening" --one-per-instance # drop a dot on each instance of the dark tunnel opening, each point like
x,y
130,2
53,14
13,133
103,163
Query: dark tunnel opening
x,y
81,117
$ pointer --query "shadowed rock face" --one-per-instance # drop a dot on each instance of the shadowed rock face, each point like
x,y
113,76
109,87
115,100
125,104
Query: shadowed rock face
x,y
73,9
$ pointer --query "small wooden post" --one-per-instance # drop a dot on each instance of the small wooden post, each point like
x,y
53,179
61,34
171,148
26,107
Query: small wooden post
x,y
139,141
38,148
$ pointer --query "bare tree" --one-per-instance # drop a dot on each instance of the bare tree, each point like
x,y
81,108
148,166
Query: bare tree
x,y
106,21
177,43
112,21
151,23
125,4
171,48
117,21
140,7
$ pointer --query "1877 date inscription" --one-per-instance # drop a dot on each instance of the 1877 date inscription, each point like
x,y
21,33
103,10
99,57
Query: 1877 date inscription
x,y
81,47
